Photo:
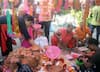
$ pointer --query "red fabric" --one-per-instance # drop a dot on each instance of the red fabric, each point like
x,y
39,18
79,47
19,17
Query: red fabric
x,y
3,31
66,38
58,7
54,40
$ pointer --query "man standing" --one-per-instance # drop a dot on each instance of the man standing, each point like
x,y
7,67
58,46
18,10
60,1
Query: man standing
x,y
45,16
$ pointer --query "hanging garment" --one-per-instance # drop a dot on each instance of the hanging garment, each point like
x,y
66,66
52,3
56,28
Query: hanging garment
x,y
5,41
66,4
58,7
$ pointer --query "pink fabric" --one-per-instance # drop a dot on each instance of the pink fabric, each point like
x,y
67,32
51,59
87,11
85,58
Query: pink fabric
x,y
66,4
53,52
30,31
5,6
36,26
25,43
26,8
58,8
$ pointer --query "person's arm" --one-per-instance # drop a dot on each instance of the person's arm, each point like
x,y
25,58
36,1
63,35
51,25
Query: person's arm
x,y
90,54
31,42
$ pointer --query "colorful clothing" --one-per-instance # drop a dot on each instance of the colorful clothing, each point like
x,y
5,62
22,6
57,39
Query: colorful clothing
x,y
42,41
67,39
5,41
25,43
46,7
81,33
22,27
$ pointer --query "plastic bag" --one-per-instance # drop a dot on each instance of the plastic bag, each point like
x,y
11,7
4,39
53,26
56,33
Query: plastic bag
x,y
52,27
23,68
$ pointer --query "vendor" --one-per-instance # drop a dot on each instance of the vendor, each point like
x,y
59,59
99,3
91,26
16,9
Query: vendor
x,y
93,46
92,57
64,38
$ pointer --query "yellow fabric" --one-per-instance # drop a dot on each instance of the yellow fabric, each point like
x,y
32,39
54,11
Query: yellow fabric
x,y
15,22
93,11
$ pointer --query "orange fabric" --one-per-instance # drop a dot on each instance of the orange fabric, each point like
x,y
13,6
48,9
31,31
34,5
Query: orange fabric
x,y
46,7
81,34
31,10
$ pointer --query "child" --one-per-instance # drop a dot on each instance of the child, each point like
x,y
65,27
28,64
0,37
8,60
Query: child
x,y
41,40
28,23
64,38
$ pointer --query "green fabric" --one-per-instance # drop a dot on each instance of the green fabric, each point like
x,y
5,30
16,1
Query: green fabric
x,y
95,16
79,63
9,27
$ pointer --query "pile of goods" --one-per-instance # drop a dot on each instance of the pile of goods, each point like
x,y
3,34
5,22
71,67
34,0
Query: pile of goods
x,y
32,60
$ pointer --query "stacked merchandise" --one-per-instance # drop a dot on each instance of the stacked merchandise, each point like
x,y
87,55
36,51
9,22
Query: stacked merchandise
x,y
31,60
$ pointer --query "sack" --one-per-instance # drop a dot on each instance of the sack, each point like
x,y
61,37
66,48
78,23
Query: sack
x,y
23,68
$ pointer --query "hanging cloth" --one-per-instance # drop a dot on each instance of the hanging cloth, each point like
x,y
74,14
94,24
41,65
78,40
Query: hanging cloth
x,y
15,21
66,4
9,26
26,8
5,4
58,7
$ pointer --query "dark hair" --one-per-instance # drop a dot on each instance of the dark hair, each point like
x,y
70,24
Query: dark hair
x,y
28,17
93,41
70,25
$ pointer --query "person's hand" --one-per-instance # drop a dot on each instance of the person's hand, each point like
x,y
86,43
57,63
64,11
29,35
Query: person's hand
x,y
58,35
